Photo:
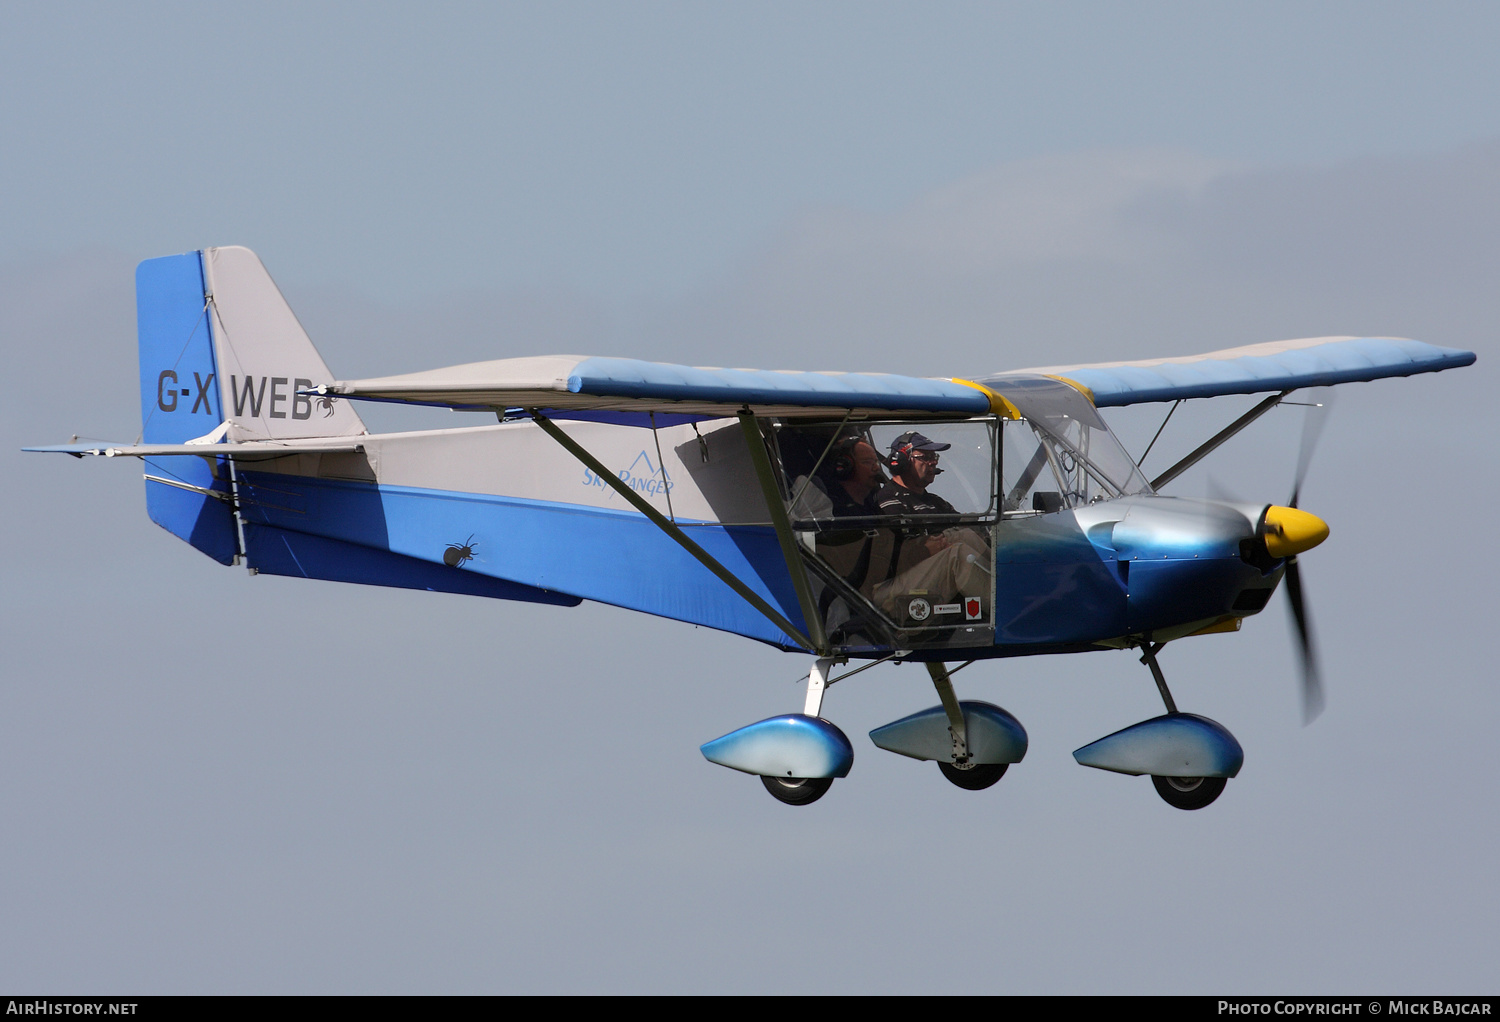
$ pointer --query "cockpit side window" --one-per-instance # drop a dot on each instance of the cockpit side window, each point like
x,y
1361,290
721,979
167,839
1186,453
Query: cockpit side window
x,y
1028,480
820,461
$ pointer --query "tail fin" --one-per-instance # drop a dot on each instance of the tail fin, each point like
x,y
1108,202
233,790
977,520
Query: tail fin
x,y
222,357
265,357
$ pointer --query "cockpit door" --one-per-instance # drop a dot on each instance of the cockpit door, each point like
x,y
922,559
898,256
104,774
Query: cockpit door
x,y
892,573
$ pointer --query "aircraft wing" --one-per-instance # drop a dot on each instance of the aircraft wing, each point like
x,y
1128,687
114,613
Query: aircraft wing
x,y
628,390
633,389
253,450
1253,369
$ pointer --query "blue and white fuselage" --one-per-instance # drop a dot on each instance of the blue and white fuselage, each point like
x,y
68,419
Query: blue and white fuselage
x,y
1073,578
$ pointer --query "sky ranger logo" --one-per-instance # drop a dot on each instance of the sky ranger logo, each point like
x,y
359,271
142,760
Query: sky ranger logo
x,y
642,477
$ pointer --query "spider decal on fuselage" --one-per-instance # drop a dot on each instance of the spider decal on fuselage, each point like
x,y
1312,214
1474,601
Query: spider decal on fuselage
x,y
459,554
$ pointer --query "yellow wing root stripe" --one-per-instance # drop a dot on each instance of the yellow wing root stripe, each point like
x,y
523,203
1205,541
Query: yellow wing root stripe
x,y
998,404
1072,383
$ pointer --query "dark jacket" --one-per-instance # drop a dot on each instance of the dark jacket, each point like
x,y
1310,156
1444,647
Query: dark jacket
x,y
895,499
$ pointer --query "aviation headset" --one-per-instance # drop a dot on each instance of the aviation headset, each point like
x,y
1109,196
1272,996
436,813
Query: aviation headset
x,y
841,466
901,453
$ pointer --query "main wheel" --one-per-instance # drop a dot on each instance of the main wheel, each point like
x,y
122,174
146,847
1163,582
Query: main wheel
x,y
1188,792
797,791
977,777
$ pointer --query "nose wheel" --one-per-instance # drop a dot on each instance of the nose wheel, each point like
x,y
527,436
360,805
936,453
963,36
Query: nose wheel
x,y
1188,757
1188,792
1179,792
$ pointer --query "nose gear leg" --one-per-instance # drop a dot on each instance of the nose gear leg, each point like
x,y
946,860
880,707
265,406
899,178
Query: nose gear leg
x,y
1148,657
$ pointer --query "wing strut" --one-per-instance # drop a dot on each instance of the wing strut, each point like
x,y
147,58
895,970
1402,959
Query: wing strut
x,y
757,444
1208,446
670,528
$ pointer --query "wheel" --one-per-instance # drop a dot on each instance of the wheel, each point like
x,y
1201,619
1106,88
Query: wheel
x,y
1188,792
797,791
977,777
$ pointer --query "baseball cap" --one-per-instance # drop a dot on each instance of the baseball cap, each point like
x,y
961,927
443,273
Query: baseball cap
x,y
908,442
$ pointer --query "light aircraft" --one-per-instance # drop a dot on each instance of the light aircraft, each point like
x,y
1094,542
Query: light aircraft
x,y
746,501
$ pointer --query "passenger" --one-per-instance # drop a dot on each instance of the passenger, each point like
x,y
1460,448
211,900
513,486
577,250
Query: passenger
x,y
846,486
933,565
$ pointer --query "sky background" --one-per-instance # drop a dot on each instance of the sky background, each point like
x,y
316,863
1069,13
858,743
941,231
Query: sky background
x,y
218,783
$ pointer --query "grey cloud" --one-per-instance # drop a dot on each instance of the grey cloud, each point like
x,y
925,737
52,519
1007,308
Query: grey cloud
x,y
1110,255
1040,210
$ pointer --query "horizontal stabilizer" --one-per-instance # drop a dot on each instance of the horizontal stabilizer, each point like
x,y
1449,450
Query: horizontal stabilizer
x,y
1254,369
254,450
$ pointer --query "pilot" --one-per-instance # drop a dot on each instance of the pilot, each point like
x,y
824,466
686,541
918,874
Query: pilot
x,y
913,463
932,566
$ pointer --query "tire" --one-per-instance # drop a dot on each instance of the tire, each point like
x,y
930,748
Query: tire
x,y
797,791
1188,792
977,777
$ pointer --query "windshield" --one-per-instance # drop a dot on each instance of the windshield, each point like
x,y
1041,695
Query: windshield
x,y
1061,454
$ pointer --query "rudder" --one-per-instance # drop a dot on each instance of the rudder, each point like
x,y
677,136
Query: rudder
x,y
180,401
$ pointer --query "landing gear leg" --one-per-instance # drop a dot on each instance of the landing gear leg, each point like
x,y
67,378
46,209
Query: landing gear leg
x,y
961,770
956,727
1178,792
817,684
